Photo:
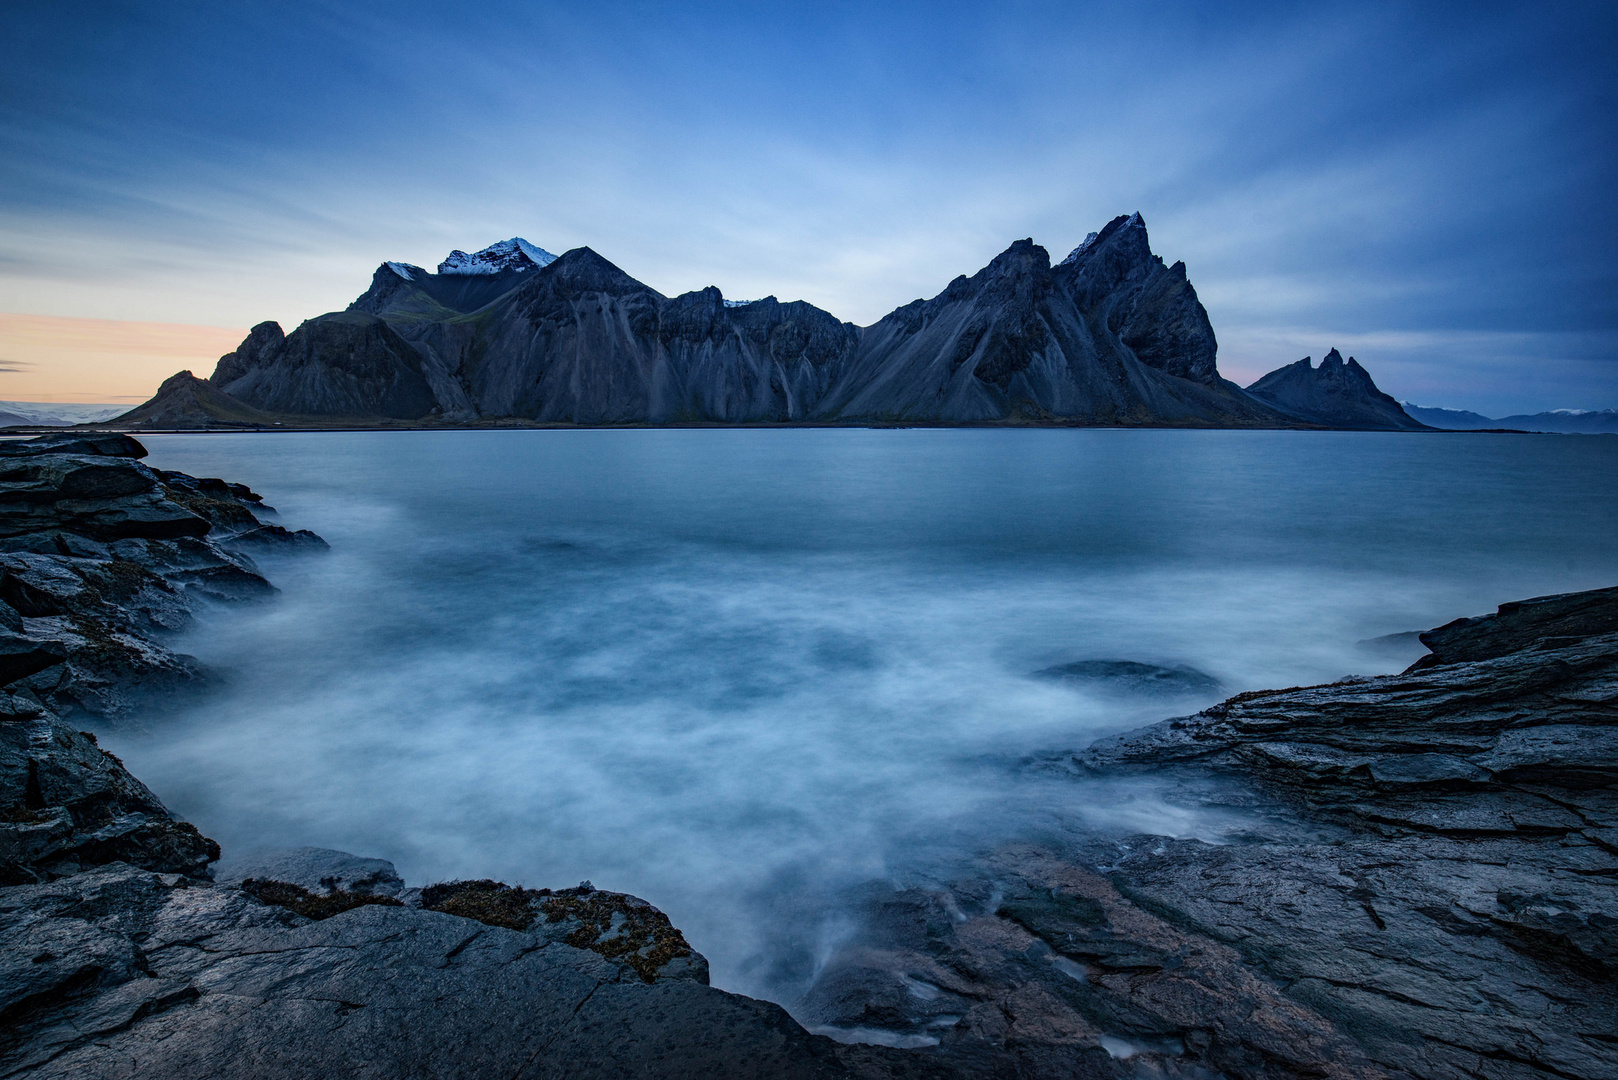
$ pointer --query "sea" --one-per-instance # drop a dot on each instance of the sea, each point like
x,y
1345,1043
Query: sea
x,y
742,672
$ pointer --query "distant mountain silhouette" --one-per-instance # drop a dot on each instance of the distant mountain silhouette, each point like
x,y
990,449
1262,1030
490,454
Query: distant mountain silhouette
x,y
1335,395
1563,421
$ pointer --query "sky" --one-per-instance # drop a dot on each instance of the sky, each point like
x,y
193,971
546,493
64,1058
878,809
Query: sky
x,y
1428,187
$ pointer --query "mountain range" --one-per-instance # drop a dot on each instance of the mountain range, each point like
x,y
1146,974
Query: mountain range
x,y
1110,335
1563,421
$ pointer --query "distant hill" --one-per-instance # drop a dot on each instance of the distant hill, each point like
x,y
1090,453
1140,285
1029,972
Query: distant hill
x,y
1562,421
1335,395
187,402
1110,335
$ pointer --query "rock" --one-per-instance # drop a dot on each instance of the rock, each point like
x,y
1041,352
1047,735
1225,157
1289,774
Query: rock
x,y
66,804
1451,875
104,556
86,444
616,925
1334,395
319,870
22,656
1520,625
118,972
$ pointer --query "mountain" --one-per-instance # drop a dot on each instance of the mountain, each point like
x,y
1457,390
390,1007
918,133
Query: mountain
x,y
1334,395
1562,421
1449,419
1565,421
1110,335
185,401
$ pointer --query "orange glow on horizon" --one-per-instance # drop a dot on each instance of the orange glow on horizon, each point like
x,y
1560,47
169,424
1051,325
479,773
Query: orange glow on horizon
x,y
51,358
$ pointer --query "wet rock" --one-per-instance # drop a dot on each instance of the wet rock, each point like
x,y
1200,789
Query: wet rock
x,y
1454,913
616,925
66,804
319,870
106,557
1558,619
90,443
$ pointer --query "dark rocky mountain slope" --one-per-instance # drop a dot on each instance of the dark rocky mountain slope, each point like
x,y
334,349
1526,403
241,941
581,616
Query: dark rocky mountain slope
x,y
1334,395
1109,336
185,401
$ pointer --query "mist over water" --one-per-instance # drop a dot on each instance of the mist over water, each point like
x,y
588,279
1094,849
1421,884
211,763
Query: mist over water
x,y
735,671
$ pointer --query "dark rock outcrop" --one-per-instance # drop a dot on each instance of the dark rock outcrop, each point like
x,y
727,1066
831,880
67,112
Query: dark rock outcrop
x,y
1459,879
1334,395
102,558
1421,886
1109,336
1131,676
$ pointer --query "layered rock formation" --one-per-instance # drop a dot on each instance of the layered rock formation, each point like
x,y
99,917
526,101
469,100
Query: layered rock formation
x,y
102,559
1109,336
1421,886
1334,395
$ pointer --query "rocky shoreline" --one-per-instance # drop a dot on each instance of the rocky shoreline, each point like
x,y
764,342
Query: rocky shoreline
x,y
1427,885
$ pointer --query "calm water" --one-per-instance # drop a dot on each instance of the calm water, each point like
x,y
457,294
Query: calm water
x,y
734,671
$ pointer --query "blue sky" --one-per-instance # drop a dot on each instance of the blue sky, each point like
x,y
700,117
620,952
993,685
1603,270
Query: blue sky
x,y
1429,187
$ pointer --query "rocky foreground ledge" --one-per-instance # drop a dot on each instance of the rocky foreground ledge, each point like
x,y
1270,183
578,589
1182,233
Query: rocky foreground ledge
x,y
1428,887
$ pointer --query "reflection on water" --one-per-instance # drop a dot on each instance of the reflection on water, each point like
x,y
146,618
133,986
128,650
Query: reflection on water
x,y
733,671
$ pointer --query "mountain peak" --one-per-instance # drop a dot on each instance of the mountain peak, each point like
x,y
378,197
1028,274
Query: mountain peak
x,y
1073,256
1335,394
514,254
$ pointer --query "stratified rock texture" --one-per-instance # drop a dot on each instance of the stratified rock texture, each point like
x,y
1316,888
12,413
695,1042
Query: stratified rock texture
x,y
1423,887
1334,395
1458,917
101,560
1109,336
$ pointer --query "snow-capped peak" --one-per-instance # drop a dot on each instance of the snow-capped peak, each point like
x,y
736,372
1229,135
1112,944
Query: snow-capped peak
x,y
1073,256
514,254
404,270
739,303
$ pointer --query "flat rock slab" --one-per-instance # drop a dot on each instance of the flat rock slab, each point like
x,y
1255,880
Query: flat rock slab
x,y
119,972
319,870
